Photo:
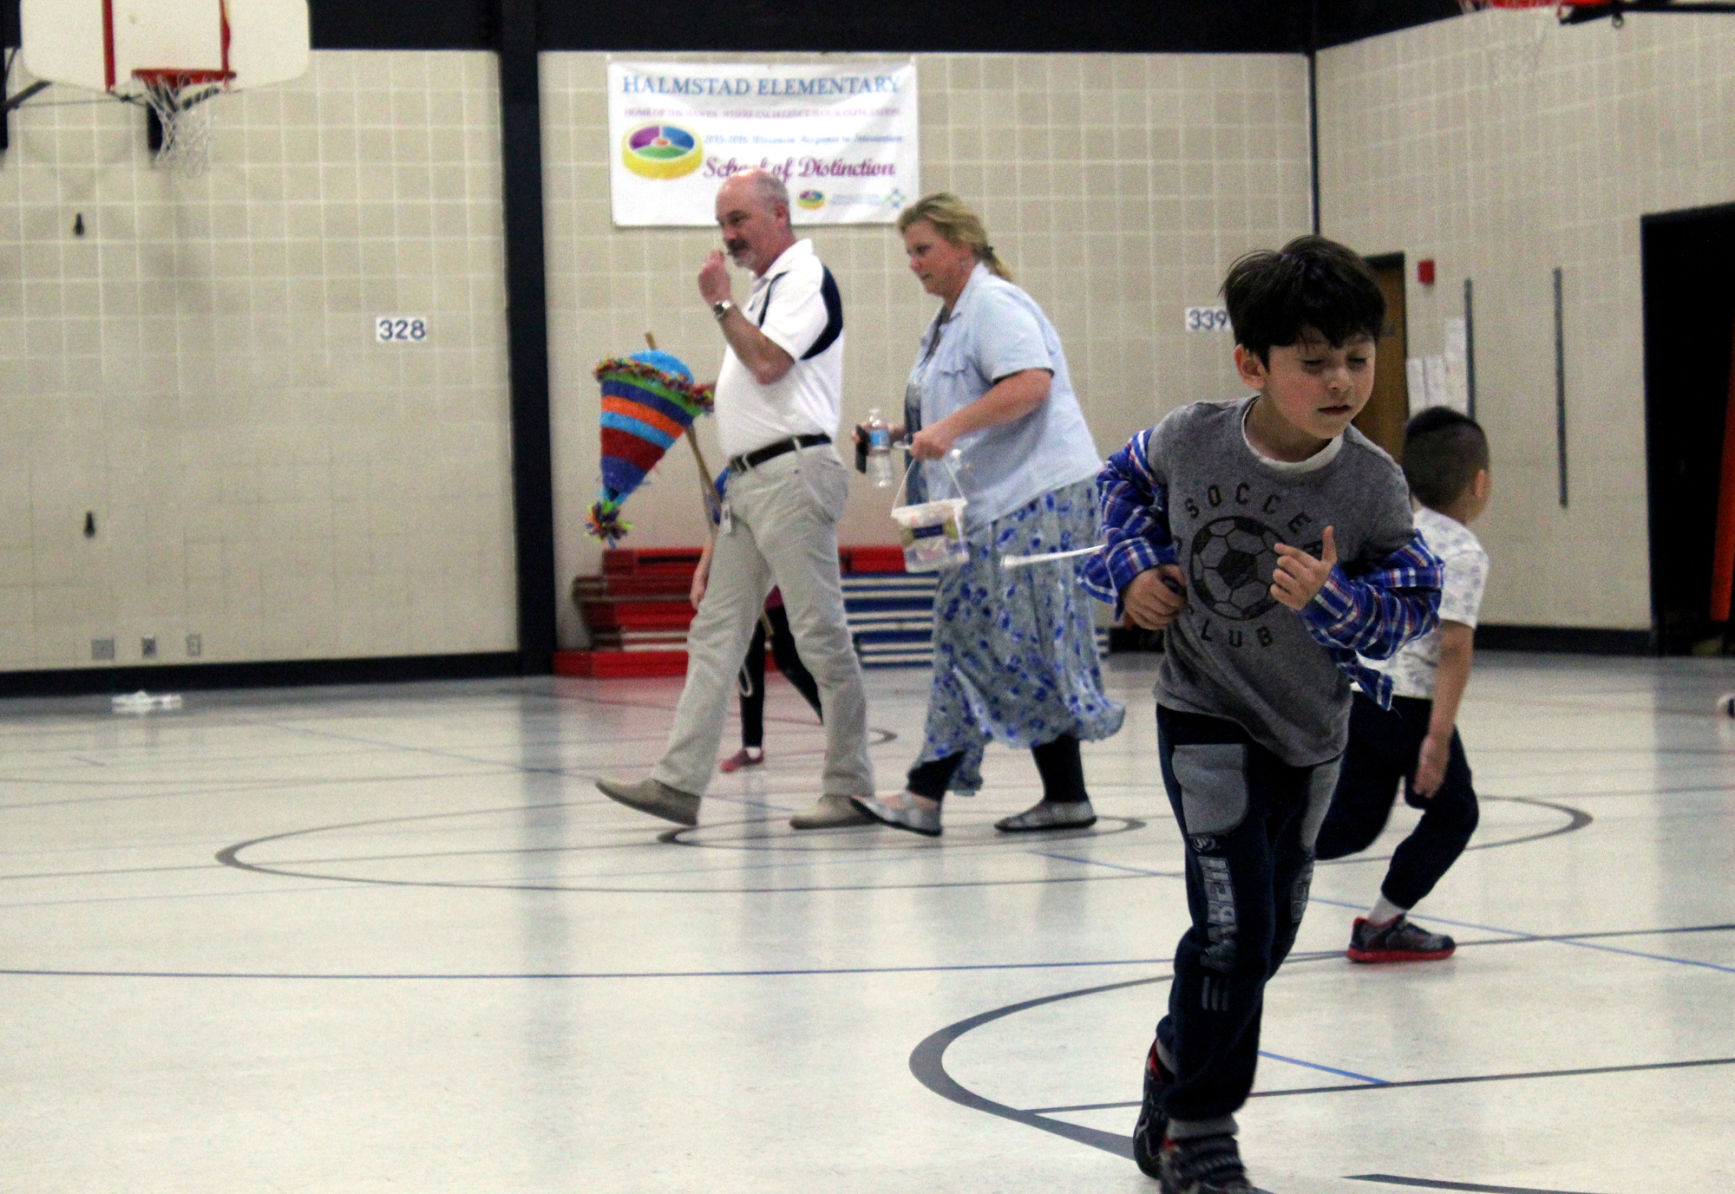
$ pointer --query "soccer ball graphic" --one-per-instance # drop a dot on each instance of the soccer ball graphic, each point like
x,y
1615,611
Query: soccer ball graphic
x,y
1231,567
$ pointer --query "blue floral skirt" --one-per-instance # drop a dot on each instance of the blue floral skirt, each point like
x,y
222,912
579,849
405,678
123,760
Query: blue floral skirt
x,y
1015,648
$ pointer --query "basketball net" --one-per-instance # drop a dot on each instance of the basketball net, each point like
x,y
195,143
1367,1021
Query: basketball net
x,y
1512,38
179,98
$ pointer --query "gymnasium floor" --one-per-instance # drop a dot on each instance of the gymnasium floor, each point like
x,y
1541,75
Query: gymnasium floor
x,y
391,939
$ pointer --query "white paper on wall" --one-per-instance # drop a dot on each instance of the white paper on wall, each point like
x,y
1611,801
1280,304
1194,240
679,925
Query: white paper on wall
x,y
1457,357
1417,384
1434,374
1433,382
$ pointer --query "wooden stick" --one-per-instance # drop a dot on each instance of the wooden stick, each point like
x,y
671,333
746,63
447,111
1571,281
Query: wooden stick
x,y
708,495
708,491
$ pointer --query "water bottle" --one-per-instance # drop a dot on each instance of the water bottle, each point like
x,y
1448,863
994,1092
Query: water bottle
x,y
879,450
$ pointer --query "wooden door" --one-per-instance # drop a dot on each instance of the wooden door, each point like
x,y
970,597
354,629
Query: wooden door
x,y
1382,419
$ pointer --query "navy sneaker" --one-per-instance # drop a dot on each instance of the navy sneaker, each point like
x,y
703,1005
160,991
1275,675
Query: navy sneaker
x,y
1153,1123
1396,941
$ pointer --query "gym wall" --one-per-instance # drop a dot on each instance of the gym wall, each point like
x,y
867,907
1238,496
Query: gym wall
x,y
1504,148
1117,188
198,372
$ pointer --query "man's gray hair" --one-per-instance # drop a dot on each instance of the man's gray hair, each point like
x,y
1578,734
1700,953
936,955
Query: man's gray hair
x,y
768,188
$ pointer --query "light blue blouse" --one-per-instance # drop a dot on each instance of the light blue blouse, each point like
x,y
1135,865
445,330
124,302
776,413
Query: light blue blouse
x,y
997,330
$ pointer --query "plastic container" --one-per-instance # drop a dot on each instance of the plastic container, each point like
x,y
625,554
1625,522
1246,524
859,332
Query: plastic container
x,y
144,702
932,533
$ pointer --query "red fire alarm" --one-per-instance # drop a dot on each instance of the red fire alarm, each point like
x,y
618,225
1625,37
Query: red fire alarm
x,y
1425,271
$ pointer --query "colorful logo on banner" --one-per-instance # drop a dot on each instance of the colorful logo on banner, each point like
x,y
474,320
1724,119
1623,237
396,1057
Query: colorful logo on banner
x,y
662,151
811,200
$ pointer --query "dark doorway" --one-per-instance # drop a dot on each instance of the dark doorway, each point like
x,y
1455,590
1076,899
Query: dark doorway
x,y
1382,419
1688,261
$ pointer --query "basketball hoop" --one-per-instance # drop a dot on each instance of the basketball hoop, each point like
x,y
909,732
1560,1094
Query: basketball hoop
x,y
1559,6
1512,46
178,99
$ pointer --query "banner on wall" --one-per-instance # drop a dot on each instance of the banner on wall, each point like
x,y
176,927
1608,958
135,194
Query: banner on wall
x,y
842,137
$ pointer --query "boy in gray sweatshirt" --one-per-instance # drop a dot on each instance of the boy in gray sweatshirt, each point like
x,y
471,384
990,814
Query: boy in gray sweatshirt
x,y
1271,542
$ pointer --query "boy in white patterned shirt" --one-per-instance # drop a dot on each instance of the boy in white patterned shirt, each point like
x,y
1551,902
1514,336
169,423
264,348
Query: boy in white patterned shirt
x,y
1416,742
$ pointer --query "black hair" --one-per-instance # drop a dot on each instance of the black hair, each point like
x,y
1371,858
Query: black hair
x,y
1311,283
1443,452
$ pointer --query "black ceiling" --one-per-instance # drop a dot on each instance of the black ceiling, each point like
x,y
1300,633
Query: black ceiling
x,y
1024,26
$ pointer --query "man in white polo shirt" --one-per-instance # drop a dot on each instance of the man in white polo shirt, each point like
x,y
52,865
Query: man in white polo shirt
x,y
779,400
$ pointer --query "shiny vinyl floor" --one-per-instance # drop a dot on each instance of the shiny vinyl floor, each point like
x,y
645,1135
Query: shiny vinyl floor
x,y
391,939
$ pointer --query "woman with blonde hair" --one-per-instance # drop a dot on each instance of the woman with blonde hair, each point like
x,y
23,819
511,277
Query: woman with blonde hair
x,y
1014,648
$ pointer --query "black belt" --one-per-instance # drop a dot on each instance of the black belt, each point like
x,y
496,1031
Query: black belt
x,y
759,456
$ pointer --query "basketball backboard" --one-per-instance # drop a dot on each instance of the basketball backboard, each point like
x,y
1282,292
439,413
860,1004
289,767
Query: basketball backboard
x,y
99,44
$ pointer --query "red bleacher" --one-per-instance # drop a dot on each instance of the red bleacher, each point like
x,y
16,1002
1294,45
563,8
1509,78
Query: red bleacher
x,y
638,612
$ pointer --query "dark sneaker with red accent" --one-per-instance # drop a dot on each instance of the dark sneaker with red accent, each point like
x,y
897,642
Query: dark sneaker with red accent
x,y
1396,941
1202,1165
1153,1124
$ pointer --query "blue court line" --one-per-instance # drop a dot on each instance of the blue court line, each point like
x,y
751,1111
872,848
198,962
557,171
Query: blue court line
x,y
1421,1083
1324,1069
1650,957
1113,866
184,895
567,975
1550,939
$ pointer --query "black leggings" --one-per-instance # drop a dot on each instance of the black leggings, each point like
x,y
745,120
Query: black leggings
x,y
1382,756
1058,763
753,675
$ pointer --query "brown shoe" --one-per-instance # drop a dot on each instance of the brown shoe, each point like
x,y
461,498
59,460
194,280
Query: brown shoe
x,y
654,797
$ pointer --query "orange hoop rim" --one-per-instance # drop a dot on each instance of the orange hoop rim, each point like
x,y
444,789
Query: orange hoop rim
x,y
174,76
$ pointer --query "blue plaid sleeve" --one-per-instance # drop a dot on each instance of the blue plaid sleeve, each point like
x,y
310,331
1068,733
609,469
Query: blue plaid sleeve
x,y
1135,522
1377,612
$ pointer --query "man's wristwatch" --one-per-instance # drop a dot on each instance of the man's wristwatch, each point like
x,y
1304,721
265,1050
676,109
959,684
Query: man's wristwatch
x,y
721,307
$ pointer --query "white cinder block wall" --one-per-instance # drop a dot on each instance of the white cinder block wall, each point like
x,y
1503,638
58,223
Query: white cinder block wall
x,y
198,370
1116,187
1504,145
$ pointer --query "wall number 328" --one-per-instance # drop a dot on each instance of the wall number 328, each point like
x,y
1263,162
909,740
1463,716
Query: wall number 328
x,y
400,329
1207,319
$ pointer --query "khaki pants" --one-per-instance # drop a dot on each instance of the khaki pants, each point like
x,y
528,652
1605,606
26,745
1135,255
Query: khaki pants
x,y
784,533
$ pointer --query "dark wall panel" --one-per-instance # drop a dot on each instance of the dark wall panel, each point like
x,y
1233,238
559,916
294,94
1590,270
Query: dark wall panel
x,y
401,24
1127,26
1344,21
1027,26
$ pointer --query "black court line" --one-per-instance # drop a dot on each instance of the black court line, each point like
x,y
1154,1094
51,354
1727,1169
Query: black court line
x,y
1576,819
927,1062
1422,1183
804,972
778,841
232,856
928,1065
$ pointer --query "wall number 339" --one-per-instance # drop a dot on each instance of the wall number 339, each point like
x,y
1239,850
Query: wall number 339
x,y
400,329
1207,319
